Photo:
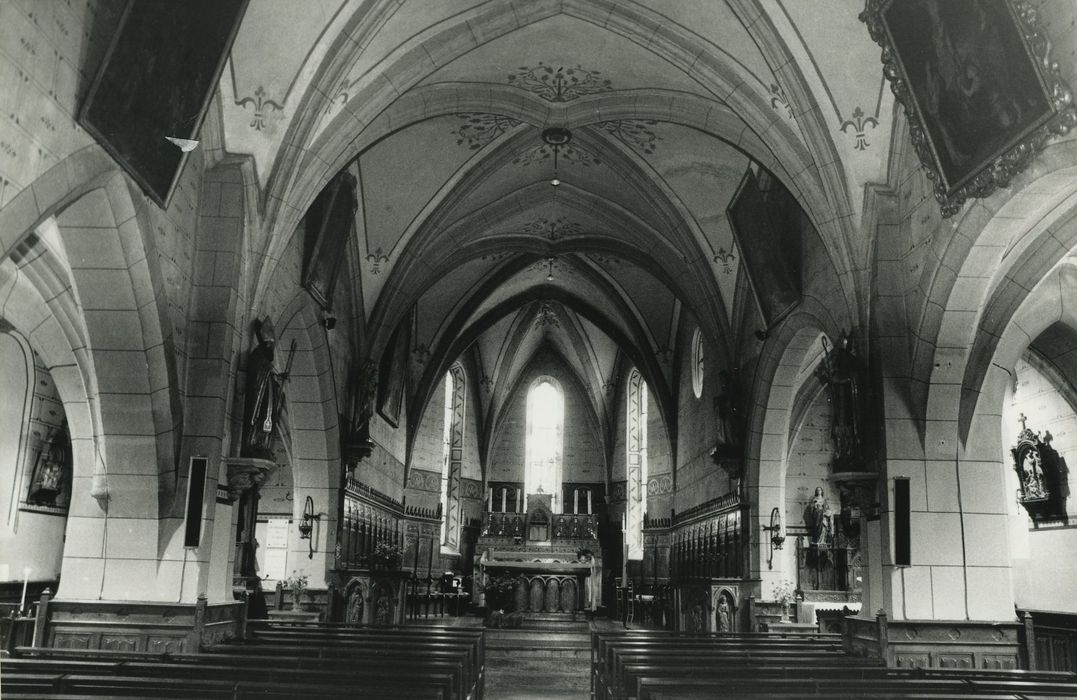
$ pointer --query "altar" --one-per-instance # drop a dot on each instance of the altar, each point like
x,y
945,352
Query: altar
x,y
551,560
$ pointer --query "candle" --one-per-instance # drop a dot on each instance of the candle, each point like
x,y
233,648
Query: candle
x,y
415,566
430,560
589,511
575,500
504,497
519,495
25,581
490,498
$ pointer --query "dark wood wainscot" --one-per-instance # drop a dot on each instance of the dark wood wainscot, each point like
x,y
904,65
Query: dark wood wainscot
x,y
935,643
137,626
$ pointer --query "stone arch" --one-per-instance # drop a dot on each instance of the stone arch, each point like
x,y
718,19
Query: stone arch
x,y
98,236
1020,238
1048,302
312,408
774,394
306,170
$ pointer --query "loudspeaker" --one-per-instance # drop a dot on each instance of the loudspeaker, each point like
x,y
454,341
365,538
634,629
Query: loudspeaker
x,y
902,524
196,496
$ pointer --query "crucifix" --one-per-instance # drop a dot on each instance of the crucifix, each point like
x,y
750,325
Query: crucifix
x,y
1022,419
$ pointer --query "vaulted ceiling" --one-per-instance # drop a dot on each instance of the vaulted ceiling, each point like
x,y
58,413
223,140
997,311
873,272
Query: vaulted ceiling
x,y
439,109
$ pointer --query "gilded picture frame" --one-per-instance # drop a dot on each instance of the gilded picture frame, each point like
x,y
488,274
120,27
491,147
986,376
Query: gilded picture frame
x,y
978,86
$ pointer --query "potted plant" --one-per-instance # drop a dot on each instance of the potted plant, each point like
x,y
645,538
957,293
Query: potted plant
x,y
298,584
784,595
388,557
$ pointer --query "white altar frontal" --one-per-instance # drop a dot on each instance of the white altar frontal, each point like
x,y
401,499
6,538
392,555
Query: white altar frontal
x,y
552,560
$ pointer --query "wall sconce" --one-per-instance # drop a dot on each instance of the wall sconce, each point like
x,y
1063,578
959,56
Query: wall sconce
x,y
306,526
777,537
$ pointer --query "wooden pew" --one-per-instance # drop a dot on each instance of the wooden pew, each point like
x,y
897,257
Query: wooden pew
x,y
900,684
607,646
662,667
269,629
335,639
378,657
216,680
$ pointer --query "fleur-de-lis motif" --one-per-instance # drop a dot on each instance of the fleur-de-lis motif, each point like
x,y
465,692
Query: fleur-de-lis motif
x,y
376,259
726,258
261,107
859,122
420,355
779,101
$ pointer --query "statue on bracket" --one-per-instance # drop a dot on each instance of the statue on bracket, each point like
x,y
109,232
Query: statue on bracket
x,y
1028,462
820,519
838,371
264,398
356,444
728,452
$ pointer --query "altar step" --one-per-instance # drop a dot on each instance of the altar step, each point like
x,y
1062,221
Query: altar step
x,y
532,663
554,622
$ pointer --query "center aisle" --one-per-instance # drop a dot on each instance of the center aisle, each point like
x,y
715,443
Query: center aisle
x,y
548,658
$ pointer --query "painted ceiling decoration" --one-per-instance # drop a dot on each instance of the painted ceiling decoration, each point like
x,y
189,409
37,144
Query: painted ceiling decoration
x,y
261,106
547,316
637,133
479,129
552,230
573,154
726,258
560,83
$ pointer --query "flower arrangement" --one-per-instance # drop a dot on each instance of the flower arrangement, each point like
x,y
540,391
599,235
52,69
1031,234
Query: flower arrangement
x,y
784,592
297,582
388,556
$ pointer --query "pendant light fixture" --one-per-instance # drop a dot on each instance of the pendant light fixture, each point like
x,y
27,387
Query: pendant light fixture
x,y
556,137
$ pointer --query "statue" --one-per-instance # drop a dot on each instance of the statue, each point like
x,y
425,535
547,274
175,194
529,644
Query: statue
x,y
725,614
50,483
838,371
727,452
1028,463
354,614
1032,474
262,399
819,518
728,413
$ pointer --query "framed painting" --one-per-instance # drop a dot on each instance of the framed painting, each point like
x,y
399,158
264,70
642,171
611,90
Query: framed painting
x,y
156,81
330,223
765,219
979,90
394,375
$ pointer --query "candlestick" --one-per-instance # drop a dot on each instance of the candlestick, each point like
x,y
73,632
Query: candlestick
x,y
415,566
430,560
25,581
